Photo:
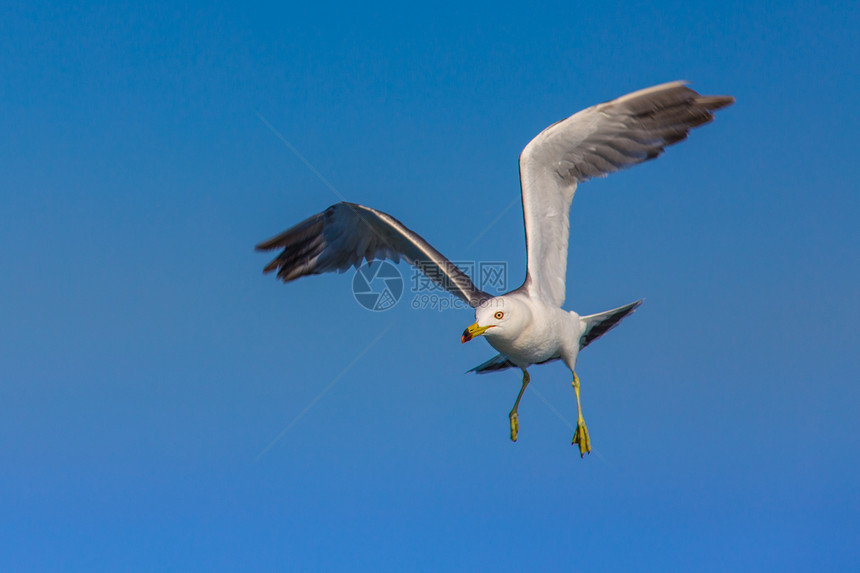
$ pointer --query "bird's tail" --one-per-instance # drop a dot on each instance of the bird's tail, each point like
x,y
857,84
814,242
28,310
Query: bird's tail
x,y
596,325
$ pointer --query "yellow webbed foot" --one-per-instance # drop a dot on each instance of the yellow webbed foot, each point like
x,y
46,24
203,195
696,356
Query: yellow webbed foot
x,y
515,419
581,437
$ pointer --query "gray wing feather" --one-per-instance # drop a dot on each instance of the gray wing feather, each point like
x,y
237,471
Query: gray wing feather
x,y
594,143
632,129
596,325
501,362
494,364
346,234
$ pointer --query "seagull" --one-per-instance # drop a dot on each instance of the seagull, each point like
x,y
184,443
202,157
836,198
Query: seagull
x,y
526,326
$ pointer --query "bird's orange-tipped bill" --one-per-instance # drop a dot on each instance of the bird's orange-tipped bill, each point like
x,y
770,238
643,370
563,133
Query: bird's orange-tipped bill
x,y
474,331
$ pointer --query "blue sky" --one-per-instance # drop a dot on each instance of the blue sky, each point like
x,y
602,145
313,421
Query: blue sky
x,y
147,362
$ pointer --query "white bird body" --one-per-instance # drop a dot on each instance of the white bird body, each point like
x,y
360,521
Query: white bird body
x,y
539,331
526,326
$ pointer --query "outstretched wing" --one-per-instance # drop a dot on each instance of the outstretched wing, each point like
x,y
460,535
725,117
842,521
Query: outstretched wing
x,y
346,234
593,143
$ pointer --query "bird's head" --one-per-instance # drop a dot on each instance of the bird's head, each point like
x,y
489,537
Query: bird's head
x,y
502,317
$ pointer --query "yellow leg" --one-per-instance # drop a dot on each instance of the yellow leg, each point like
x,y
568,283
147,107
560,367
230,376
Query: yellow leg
x,y
581,435
515,419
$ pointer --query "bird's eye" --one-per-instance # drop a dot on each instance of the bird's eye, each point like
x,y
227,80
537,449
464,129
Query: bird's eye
x,y
499,315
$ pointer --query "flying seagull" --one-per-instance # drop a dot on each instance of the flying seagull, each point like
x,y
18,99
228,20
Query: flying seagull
x,y
526,326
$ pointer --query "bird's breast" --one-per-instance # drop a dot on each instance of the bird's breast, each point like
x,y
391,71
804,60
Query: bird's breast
x,y
532,346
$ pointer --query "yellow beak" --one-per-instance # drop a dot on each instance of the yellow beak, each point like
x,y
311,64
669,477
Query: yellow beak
x,y
474,331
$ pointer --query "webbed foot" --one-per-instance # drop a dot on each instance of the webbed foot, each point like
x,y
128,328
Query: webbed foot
x,y
581,437
515,426
515,419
